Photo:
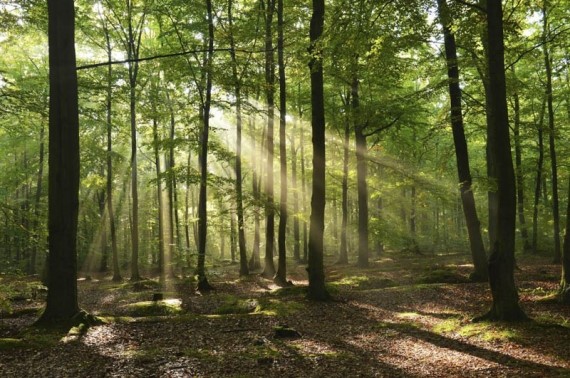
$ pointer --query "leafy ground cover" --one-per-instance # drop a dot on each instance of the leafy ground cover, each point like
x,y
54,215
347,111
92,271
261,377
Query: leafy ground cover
x,y
403,317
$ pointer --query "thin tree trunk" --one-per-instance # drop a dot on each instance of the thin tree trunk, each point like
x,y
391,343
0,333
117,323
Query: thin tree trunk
x,y
317,289
361,173
255,261
295,190
269,268
343,253
539,175
243,270
518,171
37,203
281,274
461,151
203,284
159,198
551,138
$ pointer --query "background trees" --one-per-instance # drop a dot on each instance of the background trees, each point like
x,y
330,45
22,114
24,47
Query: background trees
x,y
146,70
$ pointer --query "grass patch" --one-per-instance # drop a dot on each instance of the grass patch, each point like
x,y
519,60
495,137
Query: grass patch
x,y
290,291
9,343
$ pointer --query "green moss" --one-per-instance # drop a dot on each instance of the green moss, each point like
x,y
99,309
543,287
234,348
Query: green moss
x,y
487,332
275,307
9,343
364,282
290,291
447,326
150,308
234,305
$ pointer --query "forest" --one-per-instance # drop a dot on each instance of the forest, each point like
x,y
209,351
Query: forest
x,y
248,188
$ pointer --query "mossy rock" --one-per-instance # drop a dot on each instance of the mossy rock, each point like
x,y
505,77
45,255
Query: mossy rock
x,y
364,282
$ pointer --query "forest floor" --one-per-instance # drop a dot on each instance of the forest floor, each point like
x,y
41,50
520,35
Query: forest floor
x,y
405,316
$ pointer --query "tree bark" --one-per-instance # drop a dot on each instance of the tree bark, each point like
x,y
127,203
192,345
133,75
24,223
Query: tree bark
x,y
63,161
343,253
203,284
281,274
539,174
461,151
551,137
518,170
243,270
505,305
269,267
361,173
317,289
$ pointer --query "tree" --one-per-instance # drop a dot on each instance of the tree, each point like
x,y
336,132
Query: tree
x,y
317,289
505,305
269,268
281,274
203,284
62,305
243,270
461,151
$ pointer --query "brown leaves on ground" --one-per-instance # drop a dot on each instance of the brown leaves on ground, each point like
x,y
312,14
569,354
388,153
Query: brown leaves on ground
x,y
397,318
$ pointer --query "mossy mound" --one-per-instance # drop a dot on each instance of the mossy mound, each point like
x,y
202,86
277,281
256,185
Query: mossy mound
x,y
441,275
167,307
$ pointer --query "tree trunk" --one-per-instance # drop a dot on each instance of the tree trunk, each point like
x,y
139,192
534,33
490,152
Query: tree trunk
x,y
539,175
281,274
255,261
343,253
133,48
243,270
361,174
461,151
551,138
269,268
159,197
62,305
295,190
317,289
518,170
505,305
203,284
37,204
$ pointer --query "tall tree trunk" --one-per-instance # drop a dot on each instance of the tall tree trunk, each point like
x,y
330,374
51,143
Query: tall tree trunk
x,y
518,169
551,136
565,280
361,174
159,196
269,268
243,269
255,261
304,196
133,48
37,203
343,253
63,162
505,305
317,289
173,220
461,151
203,284
295,190
539,175
281,274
